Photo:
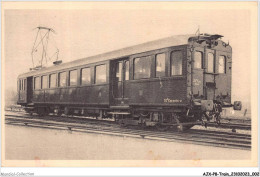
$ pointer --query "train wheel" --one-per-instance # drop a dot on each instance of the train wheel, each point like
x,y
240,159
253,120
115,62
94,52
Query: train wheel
x,y
187,127
41,111
160,127
66,111
47,111
59,113
182,128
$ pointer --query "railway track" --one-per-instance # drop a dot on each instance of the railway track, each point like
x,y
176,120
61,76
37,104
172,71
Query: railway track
x,y
79,124
227,123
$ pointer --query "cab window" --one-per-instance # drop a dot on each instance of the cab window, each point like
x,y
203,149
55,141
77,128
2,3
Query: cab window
x,y
100,74
37,83
142,67
176,63
198,60
210,63
73,77
160,64
222,64
62,79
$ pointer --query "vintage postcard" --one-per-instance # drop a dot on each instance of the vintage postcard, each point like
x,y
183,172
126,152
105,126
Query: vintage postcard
x,y
119,84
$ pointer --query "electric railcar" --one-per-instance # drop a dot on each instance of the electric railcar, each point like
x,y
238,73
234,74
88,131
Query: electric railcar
x,y
176,81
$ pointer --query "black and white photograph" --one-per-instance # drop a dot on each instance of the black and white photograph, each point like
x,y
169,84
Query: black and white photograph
x,y
152,84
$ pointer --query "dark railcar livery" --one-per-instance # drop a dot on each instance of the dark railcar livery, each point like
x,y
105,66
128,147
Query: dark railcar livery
x,y
177,79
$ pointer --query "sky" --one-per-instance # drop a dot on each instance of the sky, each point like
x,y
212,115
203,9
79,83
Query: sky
x,y
83,33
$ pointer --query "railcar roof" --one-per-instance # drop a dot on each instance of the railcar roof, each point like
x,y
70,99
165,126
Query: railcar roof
x,y
148,46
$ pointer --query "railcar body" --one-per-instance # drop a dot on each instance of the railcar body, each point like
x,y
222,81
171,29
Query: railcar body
x,y
175,80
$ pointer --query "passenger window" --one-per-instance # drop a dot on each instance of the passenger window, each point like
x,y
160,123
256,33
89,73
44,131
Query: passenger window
x,y
126,70
176,63
160,64
62,79
210,63
222,64
198,60
73,77
118,71
142,67
85,76
37,83
52,81
100,74
44,82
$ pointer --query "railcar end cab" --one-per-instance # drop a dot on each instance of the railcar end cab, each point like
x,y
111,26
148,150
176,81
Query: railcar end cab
x,y
24,90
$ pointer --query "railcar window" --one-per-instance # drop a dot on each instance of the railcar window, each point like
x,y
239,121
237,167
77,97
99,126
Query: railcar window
x,y
118,71
44,82
210,63
176,63
73,77
37,83
198,60
142,67
160,65
62,79
100,74
24,84
126,70
52,81
85,76
20,84
222,64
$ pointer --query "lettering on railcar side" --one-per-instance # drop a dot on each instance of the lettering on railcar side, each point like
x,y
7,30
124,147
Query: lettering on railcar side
x,y
196,82
167,100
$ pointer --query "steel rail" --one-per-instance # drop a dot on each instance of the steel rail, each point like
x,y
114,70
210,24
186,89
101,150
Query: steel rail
x,y
230,140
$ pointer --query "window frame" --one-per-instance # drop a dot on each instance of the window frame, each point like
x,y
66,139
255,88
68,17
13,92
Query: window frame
x,y
182,53
19,84
126,71
95,73
42,81
34,83
155,64
225,65
24,84
214,63
202,62
65,78
151,63
119,71
81,69
69,84
49,85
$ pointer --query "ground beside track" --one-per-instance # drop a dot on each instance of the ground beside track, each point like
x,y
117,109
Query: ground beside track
x,y
28,143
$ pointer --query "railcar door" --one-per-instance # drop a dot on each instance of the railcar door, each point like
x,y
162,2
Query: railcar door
x,y
210,74
120,77
198,72
29,89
